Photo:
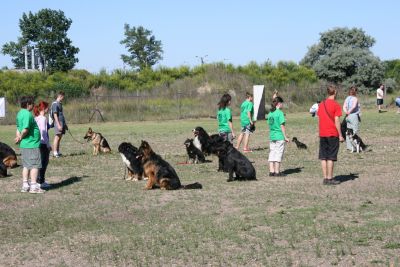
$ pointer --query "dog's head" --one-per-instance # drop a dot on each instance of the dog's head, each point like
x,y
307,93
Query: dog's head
x,y
145,150
130,155
221,148
350,132
89,134
294,139
199,131
10,161
188,142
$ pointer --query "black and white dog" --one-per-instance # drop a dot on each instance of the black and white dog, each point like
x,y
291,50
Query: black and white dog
x,y
130,156
195,155
356,141
205,142
234,162
299,144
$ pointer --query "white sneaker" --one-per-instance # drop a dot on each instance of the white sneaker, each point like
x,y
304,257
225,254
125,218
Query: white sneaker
x,y
35,189
45,186
25,188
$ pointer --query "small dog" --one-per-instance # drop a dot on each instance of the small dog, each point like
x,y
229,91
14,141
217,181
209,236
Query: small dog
x,y
299,144
8,159
356,141
160,173
98,141
194,154
131,158
234,162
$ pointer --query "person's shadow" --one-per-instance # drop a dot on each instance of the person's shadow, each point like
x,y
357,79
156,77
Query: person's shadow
x,y
66,182
293,170
346,177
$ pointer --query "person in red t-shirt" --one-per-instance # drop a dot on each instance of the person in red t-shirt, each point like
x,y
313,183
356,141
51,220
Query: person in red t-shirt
x,y
330,135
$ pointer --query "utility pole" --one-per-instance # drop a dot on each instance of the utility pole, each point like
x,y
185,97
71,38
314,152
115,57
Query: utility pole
x,y
202,59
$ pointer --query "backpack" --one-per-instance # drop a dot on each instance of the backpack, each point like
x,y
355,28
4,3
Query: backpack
x,y
51,116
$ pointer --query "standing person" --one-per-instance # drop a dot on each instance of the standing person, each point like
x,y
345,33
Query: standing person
x,y
246,122
398,104
277,136
40,117
329,113
380,93
224,116
28,138
60,126
351,108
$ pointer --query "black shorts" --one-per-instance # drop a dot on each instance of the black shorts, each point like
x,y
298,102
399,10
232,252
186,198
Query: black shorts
x,y
328,148
379,102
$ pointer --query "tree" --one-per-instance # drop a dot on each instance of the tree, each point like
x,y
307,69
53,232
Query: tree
x,y
46,31
145,51
343,56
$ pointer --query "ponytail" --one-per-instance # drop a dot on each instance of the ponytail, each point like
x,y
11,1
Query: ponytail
x,y
275,102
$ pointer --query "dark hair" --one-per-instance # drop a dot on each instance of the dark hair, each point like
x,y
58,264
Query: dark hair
x,y
223,103
275,102
25,101
353,90
331,89
61,93
249,95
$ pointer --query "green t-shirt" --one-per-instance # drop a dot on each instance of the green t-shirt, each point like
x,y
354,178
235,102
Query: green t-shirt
x,y
247,106
224,116
25,120
275,119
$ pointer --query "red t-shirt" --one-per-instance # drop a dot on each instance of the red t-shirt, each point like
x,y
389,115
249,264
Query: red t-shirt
x,y
327,125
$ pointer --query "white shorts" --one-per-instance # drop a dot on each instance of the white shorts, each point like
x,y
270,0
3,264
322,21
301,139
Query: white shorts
x,y
276,149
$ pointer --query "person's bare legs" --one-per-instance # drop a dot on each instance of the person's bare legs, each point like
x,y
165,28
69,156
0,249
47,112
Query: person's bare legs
x,y
25,175
56,144
271,167
246,142
324,168
329,169
239,141
34,174
277,167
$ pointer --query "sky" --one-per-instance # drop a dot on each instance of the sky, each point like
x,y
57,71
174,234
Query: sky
x,y
229,31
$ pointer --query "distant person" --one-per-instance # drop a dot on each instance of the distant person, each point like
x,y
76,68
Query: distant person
x,y
246,122
398,104
224,116
314,109
40,112
380,94
277,136
60,125
28,138
351,108
329,113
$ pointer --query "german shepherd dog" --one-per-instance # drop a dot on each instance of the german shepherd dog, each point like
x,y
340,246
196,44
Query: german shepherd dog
x,y
130,157
356,141
100,144
194,154
8,159
299,144
160,173
234,162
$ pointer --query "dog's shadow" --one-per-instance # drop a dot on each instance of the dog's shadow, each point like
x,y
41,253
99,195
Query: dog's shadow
x,y
69,181
293,170
346,177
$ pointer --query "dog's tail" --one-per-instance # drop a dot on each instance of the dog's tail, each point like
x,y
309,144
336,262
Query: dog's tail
x,y
193,186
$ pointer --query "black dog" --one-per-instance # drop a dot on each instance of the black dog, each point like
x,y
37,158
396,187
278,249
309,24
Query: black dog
x,y
299,144
130,157
194,154
356,141
234,162
205,142
8,159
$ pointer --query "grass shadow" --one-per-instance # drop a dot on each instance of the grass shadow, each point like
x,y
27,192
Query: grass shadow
x,y
293,170
346,177
66,182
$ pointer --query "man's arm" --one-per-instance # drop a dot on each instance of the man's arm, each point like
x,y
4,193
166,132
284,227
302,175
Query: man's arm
x,y
337,124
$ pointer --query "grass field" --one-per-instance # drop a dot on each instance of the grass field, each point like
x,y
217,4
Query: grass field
x,y
92,217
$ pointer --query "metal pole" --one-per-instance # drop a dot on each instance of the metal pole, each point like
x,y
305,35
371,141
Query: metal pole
x,y
33,58
26,57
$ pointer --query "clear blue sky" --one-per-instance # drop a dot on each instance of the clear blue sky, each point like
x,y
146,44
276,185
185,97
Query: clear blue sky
x,y
232,31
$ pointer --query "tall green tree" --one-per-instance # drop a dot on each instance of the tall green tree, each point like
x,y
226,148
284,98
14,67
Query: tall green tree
x,y
47,31
343,56
144,50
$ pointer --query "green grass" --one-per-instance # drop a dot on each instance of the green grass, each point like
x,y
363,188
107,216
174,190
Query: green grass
x,y
94,217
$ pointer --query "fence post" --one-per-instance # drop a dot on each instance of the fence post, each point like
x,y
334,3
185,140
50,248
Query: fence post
x,y
179,105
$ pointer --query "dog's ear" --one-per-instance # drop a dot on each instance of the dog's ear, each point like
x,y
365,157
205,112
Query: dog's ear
x,y
90,130
10,161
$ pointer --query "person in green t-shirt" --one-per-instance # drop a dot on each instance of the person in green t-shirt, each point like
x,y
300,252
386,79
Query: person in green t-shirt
x,y
277,136
28,138
224,116
246,122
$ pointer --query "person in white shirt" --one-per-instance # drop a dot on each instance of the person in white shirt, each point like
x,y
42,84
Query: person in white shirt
x,y
314,109
380,93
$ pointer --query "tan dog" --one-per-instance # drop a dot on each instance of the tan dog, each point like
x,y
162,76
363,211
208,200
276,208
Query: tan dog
x,y
100,144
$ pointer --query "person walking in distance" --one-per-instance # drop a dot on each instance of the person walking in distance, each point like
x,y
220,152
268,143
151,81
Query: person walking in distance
x,y
329,113
246,122
60,125
380,94
351,108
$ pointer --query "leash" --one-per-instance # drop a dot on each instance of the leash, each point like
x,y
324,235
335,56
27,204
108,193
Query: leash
x,y
73,138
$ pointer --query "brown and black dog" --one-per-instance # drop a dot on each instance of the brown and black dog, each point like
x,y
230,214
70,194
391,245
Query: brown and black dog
x,y
160,173
8,159
100,144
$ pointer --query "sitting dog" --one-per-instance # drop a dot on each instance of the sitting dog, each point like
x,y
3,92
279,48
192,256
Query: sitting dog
x,y
8,159
205,142
234,162
160,173
356,141
299,144
194,154
131,158
98,141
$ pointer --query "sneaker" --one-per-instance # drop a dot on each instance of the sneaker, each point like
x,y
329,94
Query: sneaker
x,y
271,174
56,155
45,186
25,188
330,182
36,190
